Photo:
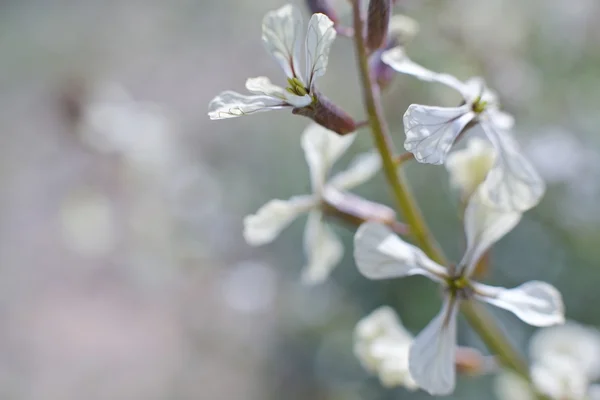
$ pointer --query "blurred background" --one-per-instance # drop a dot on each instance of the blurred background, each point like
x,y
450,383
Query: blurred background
x,y
123,270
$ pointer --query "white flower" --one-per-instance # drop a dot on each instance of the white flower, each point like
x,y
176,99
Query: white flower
x,y
469,167
431,131
556,377
381,344
323,248
380,254
572,340
140,132
565,359
281,35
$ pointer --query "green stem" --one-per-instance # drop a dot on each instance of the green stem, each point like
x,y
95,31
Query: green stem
x,y
477,316
395,177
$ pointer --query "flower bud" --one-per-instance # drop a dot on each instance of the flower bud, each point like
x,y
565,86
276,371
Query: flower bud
x,y
327,114
361,209
378,22
323,7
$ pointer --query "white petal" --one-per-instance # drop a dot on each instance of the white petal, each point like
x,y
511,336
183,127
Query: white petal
x,y
319,38
273,217
262,85
399,61
513,183
432,355
231,104
484,226
322,148
469,167
431,131
281,34
380,254
323,249
501,119
361,169
536,303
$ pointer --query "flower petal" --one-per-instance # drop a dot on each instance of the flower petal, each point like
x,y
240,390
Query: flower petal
x,y
513,183
398,60
380,254
262,85
431,357
361,169
484,226
536,303
469,167
319,38
323,249
273,217
322,148
281,32
431,131
232,104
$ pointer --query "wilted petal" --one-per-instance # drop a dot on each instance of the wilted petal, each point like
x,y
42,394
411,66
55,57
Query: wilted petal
x,y
380,254
262,85
536,303
232,104
323,249
431,357
281,34
273,217
484,226
431,131
322,148
319,37
513,183
362,168
398,60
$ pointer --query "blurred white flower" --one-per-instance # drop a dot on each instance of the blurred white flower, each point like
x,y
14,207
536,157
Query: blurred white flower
x,y
380,254
564,360
573,341
381,344
559,378
469,167
323,248
88,223
281,35
512,183
113,123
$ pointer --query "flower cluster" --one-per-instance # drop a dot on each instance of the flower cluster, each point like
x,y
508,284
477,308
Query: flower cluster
x,y
496,182
323,248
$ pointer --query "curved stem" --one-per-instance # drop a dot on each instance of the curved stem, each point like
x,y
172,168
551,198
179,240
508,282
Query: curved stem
x,y
477,316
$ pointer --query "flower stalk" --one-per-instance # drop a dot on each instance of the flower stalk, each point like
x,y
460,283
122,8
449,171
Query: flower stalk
x,y
477,316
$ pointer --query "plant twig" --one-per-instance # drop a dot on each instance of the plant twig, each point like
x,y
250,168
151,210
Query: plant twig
x,y
477,316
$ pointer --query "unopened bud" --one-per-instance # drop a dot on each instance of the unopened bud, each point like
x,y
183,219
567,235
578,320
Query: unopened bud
x,y
471,362
323,7
378,22
327,114
359,207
